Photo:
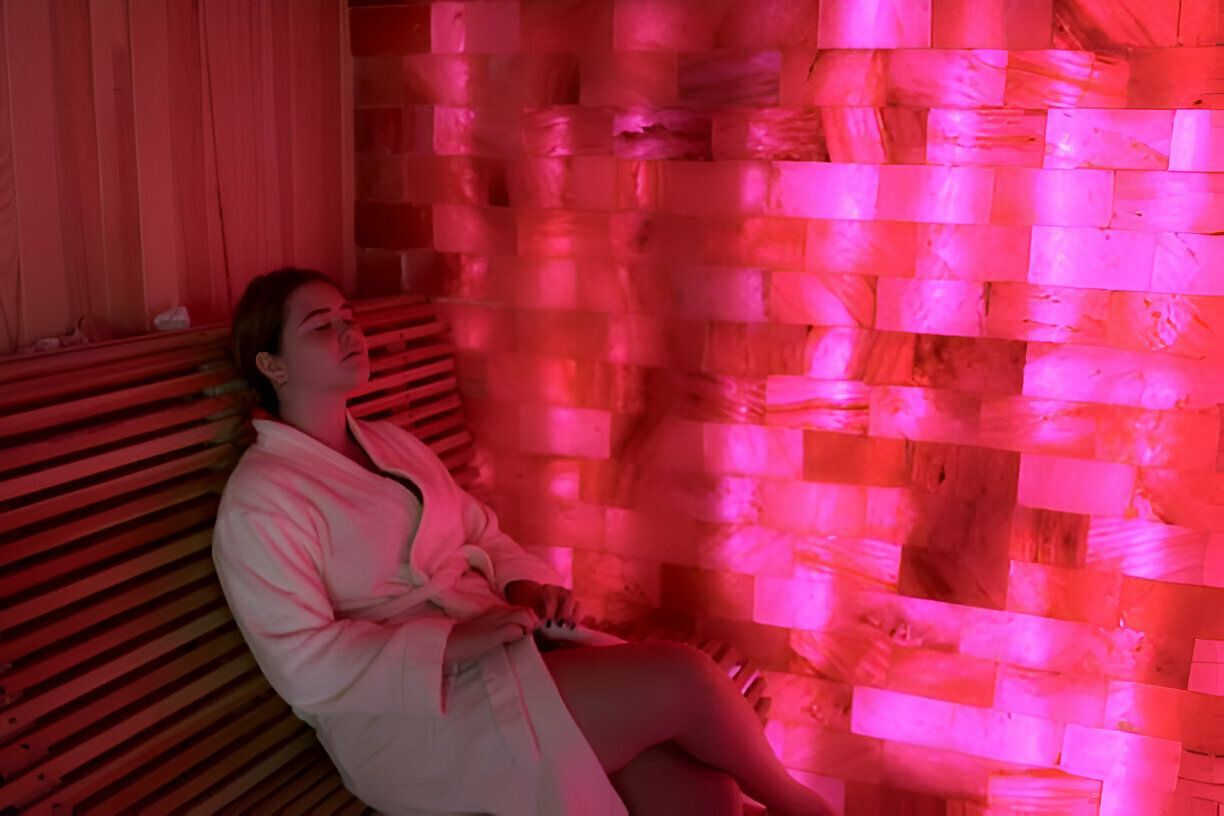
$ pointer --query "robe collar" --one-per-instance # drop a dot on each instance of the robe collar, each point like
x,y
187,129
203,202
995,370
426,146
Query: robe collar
x,y
277,436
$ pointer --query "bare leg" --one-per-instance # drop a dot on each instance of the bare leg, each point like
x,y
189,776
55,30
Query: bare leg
x,y
629,697
665,781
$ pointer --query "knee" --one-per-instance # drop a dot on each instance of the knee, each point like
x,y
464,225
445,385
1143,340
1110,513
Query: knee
x,y
693,670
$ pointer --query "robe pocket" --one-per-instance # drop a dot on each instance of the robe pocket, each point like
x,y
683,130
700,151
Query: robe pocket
x,y
375,747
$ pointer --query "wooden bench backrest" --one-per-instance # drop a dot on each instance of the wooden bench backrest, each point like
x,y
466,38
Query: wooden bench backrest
x,y
126,684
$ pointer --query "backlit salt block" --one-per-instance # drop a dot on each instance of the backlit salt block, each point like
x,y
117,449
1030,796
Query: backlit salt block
x,y
931,306
985,138
827,405
1147,549
862,247
682,25
1065,79
718,293
821,300
857,562
381,177
833,752
1058,696
725,188
935,194
517,377
576,25
726,79
1125,139
893,513
384,131
627,79
1183,610
474,27
389,30
1075,485
566,130
928,78
853,459
1042,791
1103,25
855,654
442,179
644,236
1104,754
1206,678
559,558
925,414
991,24
889,135
563,234
1078,198
813,508
546,283
1064,593
395,225
1173,77
942,675
1168,439
564,334
379,82
1096,374
611,586
746,549
973,364
972,252
874,24
784,134
832,77
855,354
753,450
1198,140
1048,537
1047,313
1090,258
809,701
1039,426
973,730
1173,323
1194,717
769,242
640,133
1188,263
1151,200
456,80
749,349
815,190
463,131
687,590
637,339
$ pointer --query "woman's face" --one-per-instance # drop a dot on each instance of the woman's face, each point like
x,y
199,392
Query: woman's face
x,y
322,349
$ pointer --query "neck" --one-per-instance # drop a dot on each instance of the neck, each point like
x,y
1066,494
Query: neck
x,y
321,416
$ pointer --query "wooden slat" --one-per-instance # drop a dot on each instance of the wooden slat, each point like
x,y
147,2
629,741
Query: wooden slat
x,y
307,801
18,368
254,761
271,795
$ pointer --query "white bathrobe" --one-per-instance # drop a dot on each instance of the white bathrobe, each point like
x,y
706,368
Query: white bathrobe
x,y
346,592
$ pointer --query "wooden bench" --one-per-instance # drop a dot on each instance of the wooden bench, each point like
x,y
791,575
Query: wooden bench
x,y
126,685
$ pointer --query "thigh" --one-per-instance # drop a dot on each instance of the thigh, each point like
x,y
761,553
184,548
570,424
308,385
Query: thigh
x,y
665,780
628,697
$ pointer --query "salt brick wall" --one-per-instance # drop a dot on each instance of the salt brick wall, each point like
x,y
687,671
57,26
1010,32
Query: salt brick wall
x,y
879,337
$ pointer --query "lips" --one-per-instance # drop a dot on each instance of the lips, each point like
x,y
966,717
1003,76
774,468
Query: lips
x,y
351,353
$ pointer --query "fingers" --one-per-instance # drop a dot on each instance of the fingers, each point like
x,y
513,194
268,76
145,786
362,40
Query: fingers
x,y
561,608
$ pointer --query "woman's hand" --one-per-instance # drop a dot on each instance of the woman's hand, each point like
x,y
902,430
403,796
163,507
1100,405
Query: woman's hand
x,y
487,631
554,604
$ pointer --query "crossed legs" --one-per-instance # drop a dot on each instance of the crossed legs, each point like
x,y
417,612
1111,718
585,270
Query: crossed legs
x,y
632,698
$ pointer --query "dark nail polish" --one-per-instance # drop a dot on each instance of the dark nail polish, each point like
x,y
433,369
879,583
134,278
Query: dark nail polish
x,y
549,624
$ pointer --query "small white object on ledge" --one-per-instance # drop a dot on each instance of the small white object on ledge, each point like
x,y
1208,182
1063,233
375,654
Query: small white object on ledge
x,y
171,319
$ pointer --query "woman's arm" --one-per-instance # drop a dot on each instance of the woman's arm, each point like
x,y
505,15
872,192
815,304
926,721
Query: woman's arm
x,y
510,561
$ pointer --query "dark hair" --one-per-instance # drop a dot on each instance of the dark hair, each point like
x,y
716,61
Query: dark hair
x,y
259,319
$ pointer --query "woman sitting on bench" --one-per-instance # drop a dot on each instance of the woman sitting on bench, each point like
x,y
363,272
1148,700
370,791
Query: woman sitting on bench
x,y
385,606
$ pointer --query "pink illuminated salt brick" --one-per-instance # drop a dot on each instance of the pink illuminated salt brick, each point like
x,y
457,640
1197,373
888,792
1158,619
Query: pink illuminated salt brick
x,y
725,188
1079,198
812,190
1032,791
851,77
1174,77
1118,377
991,24
753,450
1176,324
726,79
814,508
389,30
1174,201
531,378
479,327
1091,258
607,583
563,234
560,559
884,248
539,183
1198,140
1206,678
1124,139
1047,313
460,131
567,130
715,293
474,27
874,24
1065,79
580,26
794,603
1186,440
817,404
935,194
640,133
942,675
680,25
754,349
1075,485
447,79
807,700
985,138
1064,593
968,729
746,549
726,595
847,458
1040,426
1113,25
931,306
1192,716
972,252
925,414
829,751
971,365
1178,609
772,133
752,241
854,562
1058,696
821,300
1189,264
1105,754
946,79
628,78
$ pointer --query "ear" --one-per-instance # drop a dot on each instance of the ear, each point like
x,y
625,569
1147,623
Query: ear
x,y
272,367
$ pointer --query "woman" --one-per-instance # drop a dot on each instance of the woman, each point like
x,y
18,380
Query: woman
x,y
384,605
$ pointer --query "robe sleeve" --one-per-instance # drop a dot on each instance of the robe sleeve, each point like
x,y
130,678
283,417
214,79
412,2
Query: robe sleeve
x,y
315,662
510,561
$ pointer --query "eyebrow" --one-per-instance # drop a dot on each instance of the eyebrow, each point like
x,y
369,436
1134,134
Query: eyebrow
x,y
345,305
